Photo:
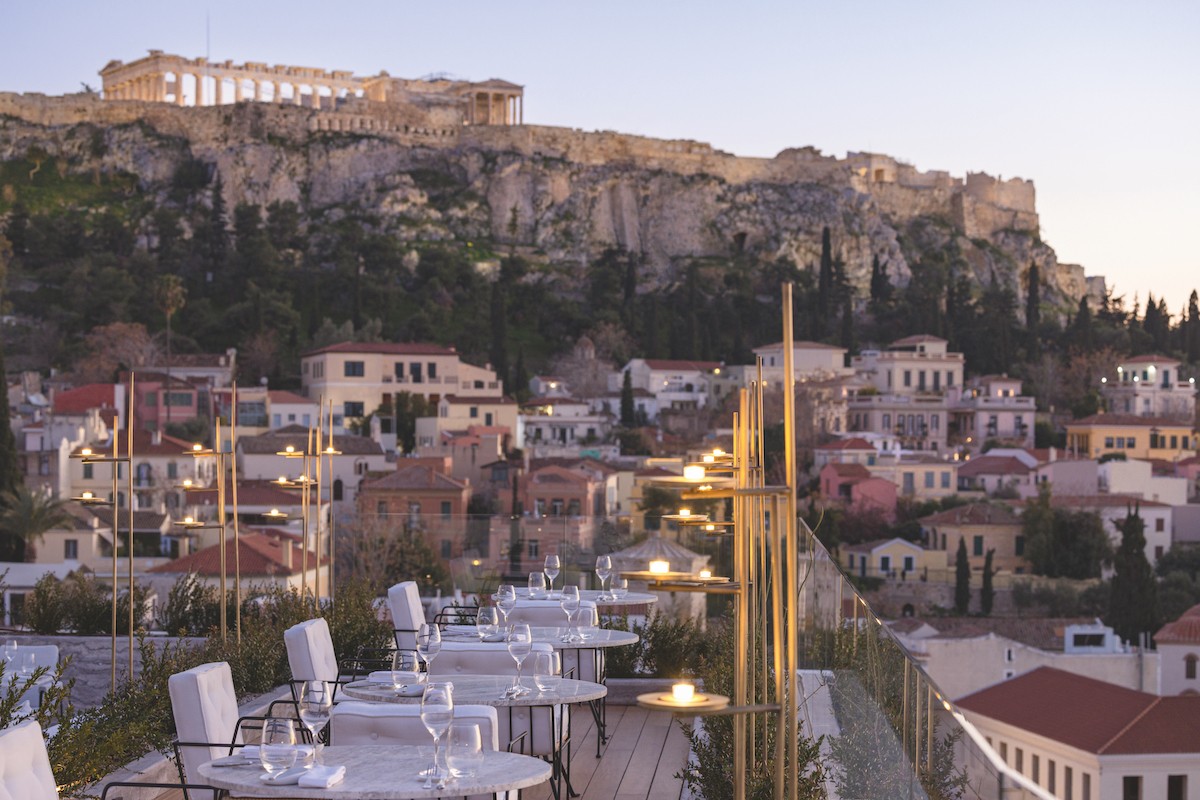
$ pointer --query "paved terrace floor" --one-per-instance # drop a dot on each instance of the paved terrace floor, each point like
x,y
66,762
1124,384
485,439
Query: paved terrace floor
x,y
646,750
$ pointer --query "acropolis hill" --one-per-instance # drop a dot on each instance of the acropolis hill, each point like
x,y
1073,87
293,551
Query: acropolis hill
x,y
327,138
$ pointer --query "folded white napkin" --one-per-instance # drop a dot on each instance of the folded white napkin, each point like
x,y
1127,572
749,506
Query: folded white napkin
x,y
461,629
322,777
385,677
250,752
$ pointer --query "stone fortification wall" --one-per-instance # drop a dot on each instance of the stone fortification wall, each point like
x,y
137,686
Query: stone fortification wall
x,y
1013,193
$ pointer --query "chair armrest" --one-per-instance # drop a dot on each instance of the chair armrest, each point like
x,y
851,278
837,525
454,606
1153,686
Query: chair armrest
x,y
571,672
524,735
184,786
178,745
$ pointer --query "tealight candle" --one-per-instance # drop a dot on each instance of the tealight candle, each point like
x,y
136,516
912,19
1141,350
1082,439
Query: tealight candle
x,y
683,692
290,449
87,451
693,473
87,495
709,459
685,512
660,567
188,520
706,573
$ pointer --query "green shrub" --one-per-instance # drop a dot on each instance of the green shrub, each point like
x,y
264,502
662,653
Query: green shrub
x,y
665,647
90,607
193,608
46,607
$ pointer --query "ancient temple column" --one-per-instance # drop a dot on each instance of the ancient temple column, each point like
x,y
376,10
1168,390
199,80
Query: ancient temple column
x,y
179,89
296,96
237,90
521,101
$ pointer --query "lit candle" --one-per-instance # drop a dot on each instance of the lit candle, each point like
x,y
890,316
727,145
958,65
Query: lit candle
x,y
290,449
187,481
709,459
683,693
693,473
718,451
706,573
87,451
710,527
87,495
660,567
188,520
685,512
197,447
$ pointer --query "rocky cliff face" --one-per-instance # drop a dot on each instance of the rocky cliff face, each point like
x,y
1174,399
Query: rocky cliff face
x,y
573,194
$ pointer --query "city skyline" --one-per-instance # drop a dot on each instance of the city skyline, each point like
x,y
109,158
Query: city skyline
x,y
1091,103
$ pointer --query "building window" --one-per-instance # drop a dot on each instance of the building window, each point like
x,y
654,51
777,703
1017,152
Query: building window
x,y
276,420
908,377
88,472
178,399
1087,786
978,546
949,379
1035,766
447,548
945,480
909,483
928,480
172,470
474,413
1019,760
71,549
1189,667
1130,443
887,422
921,381
432,370
885,564
1174,442
478,384
354,369
337,489
1120,442
1177,787
445,509
1010,655
381,508
1004,752
556,507
937,381
1108,441
398,368
352,409
935,422
532,548
414,371
909,564
1131,787
573,508
1158,525
151,399
1051,776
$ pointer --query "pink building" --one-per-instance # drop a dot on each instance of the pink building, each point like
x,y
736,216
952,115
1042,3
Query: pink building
x,y
152,398
855,487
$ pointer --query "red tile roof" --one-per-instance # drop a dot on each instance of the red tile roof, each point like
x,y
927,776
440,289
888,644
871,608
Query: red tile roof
x,y
1044,633
385,348
974,514
260,556
250,493
144,445
993,465
1129,420
455,400
1150,358
1185,630
82,398
701,366
417,476
853,443
1091,715
291,398
849,470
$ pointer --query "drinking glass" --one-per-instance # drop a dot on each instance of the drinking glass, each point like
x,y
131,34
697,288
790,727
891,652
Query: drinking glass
x,y
487,622
569,603
437,712
520,643
506,600
403,663
28,663
429,644
316,703
464,749
10,653
551,568
587,622
619,588
277,750
603,570
537,584
547,670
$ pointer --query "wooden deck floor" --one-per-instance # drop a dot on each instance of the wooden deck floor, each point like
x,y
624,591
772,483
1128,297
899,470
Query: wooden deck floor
x,y
645,750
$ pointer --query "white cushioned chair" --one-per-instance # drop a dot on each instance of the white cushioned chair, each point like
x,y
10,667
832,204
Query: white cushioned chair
x,y
408,615
538,614
206,715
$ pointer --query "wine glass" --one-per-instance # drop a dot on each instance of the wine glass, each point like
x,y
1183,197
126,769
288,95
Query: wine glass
x,y
464,749
587,621
537,584
520,643
569,603
506,600
437,712
404,663
551,568
603,570
316,703
487,622
547,670
429,644
277,750
619,588
28,663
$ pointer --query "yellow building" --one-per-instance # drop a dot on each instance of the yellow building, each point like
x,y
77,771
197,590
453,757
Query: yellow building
x,y
1134,436
983,527
890,558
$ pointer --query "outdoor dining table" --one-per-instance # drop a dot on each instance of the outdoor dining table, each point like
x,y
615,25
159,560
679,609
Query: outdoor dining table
x,y
552,636
385,772
630,598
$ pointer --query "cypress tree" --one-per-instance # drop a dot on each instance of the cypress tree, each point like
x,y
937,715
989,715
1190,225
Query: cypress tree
x,y
12,548
1033,299
499,320
628,417
987,596
217,237
848,321
881,286
825,282
1192,335
1133,596
1082,333
521,377
962,578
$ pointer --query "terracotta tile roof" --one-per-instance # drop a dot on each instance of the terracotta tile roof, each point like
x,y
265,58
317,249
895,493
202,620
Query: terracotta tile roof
x,y
849,470
250,493
993,465
974,514
260,556
144,445
1044,633
291,398
1150,358
1185,630
1091,715
853,443
455,400
700,366
918,339
81,398
385,348
867,547
417,476
1128,420
142,520
296,436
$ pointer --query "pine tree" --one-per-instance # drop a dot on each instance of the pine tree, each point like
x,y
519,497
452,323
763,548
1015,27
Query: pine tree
x,y
628,416
962,578
1033,300
987,595
1192,335
499,320
1162,327
12,548
1133,596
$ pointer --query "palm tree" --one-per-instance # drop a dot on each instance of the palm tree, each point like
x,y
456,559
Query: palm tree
x,y
169,294
29,513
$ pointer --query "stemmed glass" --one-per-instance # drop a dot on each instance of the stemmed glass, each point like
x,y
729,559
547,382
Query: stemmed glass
x,y
619,588
437,712
520,643
537,584
506,600
603,570
316,703
487,622
570,604
277,749
464,749
552,568
28,663
429,644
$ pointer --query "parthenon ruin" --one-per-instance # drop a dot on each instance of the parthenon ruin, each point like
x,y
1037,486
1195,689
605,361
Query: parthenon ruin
x,y
163,78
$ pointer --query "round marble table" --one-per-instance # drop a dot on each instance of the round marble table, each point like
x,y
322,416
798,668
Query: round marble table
x,y
485,690
630,599
385,772
553,637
